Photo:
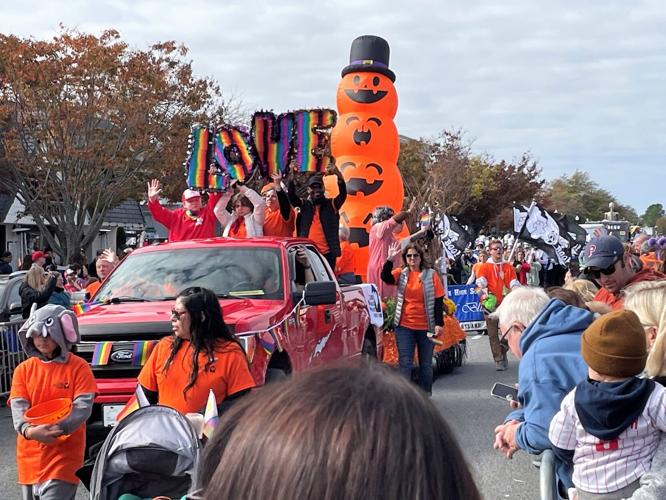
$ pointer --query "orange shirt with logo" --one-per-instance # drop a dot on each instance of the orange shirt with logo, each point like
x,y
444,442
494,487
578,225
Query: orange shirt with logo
x,y
499,276
275,225
38,381
316,233
228,374
413,313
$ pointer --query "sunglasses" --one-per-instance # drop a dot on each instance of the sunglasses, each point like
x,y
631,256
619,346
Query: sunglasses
x,y
412,255
496,249
595,273
176,314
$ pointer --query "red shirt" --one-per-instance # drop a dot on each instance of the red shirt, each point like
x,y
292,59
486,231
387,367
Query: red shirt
x,y
181,226
617,301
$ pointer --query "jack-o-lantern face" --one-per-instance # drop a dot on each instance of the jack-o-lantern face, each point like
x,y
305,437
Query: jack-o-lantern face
x,y
367,92
369,185
363,134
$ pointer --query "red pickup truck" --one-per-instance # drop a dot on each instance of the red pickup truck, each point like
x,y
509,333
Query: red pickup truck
x,y
260,284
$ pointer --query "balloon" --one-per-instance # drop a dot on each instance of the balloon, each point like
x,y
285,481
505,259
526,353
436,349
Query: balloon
x,y
371,135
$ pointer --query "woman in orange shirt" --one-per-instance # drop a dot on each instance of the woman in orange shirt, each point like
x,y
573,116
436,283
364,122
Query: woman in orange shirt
x,y
201,355
345,265
419,309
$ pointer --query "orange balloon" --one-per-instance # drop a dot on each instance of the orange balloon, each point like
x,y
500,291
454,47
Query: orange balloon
x,y
366,134
362,92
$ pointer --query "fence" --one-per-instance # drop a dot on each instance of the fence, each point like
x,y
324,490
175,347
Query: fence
x,y
11,354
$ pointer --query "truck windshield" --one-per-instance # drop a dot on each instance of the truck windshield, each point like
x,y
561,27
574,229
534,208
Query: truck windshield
x,y
244,272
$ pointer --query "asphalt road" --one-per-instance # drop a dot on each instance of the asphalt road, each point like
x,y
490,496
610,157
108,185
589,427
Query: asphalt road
x,y
462,397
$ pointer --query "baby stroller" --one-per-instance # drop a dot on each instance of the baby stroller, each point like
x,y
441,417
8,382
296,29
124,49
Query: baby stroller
x,y
154,451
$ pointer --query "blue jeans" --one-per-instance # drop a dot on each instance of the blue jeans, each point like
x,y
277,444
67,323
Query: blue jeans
x,y
406,339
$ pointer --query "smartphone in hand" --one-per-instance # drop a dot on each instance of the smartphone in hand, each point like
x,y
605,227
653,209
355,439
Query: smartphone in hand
x,y
505,392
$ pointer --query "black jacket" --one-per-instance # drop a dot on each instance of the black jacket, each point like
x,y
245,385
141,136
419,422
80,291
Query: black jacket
x,y
328,215
5,268
30,296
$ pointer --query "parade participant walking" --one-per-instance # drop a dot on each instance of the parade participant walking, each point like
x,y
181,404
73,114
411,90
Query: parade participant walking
x,y
419,309
499,277
382,426
247,219
610,424
37,287
202,354
319,217
606,262
6,263
48,455
192,221
535,328
482,258
386,226
280,218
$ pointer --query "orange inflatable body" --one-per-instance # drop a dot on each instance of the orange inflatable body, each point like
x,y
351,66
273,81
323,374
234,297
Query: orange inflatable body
x,y
365,140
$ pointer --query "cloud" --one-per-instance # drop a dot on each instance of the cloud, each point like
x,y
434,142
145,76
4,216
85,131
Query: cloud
x,y
579,84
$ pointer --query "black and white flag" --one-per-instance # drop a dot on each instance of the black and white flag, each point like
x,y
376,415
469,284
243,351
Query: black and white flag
x,y
546,231
454,237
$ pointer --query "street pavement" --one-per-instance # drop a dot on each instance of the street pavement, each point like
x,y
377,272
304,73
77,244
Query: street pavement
x,y
464,399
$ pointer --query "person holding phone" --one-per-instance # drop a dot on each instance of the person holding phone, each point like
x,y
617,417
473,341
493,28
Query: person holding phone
x,y
419,309
37,288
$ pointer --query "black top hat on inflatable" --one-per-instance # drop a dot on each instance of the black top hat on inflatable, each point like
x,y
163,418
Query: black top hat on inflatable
x,y
369,53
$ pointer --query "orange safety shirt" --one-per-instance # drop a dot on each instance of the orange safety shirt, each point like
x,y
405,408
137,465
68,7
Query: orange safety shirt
x,y
228,374
38,381
414,314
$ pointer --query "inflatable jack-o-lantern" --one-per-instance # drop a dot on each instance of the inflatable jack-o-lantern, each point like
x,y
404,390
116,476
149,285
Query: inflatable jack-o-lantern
x,y
365,141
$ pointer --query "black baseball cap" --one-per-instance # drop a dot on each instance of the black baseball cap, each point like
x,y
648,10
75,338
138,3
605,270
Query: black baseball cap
x,y
602,252
315,179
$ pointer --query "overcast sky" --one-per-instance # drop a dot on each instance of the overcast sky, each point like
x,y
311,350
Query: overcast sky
x,y
581,85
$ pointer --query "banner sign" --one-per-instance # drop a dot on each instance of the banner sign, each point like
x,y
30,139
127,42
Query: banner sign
x,y
374,303
469,312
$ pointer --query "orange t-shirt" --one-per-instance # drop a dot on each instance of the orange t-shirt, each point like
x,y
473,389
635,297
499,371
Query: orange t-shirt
x,y
498,276
275,225
414,314
37,381
238,230
316,233
228,374
346,263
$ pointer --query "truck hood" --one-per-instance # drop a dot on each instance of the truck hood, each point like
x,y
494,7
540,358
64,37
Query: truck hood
x,y
126,318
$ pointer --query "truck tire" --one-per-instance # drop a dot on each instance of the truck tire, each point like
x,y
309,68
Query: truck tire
x,y
275,375
369,350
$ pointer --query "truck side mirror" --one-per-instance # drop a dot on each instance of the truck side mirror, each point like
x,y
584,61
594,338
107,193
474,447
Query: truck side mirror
x,y
320,293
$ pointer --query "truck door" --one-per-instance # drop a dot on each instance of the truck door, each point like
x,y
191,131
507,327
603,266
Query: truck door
x,y
323,325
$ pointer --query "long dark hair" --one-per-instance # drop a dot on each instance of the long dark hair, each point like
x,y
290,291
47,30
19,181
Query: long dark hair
x,y
344,432
207,329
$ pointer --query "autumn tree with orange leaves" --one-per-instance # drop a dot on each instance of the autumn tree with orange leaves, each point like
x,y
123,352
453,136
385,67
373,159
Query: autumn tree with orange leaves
x,y
85,121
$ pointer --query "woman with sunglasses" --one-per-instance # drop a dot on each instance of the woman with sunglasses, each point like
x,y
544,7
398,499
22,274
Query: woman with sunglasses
x,y
419,309
202,354
247,218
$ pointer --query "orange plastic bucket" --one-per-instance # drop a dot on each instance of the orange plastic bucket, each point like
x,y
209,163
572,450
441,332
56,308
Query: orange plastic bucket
x,y
49,412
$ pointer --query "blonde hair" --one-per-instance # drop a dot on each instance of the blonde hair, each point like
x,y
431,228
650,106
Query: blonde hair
x,y
585,289
648,300
35,278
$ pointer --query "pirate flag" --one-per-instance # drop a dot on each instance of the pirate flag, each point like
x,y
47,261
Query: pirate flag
x,y
454,237
544,230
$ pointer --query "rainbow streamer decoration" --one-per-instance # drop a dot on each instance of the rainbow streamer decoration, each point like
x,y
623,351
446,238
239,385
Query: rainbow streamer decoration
x,y
272,137
142,351
312,152
269,342
197,161
84,307
211,418
232,153
424,220
101,353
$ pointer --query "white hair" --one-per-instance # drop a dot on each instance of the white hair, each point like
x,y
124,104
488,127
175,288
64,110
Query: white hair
x,y
522,305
